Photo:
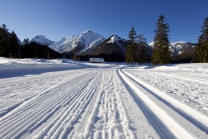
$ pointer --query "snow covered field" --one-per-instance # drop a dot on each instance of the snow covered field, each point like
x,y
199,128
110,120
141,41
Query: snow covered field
x,y
44,99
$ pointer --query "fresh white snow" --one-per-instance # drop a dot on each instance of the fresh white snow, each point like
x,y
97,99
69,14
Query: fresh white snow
x,y
63,98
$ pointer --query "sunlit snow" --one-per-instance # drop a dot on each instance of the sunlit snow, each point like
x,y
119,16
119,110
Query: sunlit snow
x,y
63,98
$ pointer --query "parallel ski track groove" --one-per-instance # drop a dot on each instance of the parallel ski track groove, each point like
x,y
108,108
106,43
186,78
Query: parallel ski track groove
x,y
13,127
144,108
73,108
113,106
28,89
200,123
43,98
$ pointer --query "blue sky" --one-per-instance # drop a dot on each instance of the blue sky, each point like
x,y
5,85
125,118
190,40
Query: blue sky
x,y
56,19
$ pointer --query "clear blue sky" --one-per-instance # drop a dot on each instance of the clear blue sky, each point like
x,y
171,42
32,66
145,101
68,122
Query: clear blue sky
x,y
56,19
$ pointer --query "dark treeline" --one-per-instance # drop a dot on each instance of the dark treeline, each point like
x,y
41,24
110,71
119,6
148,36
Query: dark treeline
x,y
9,43
10,47
34,50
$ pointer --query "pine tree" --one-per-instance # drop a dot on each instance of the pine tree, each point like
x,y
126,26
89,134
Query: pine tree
x,y
4,41
141,52
201,54
131,47
13,45
26,42
26,50
161,53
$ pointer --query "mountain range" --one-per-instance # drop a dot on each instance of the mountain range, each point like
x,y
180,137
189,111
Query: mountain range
x,y
80,43
92,43
177,48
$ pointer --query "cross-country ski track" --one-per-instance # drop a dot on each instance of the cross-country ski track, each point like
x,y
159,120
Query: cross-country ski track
x,y
114,102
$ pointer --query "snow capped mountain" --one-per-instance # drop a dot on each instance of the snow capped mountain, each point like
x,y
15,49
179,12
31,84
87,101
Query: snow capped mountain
x,y
116,39
178,47
41,39
57,46
93,45
78,43
113,44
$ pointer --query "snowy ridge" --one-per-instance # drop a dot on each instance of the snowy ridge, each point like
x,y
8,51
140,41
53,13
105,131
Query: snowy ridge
x,y
78,43
178,47
116,39
42,40
57,46
93,45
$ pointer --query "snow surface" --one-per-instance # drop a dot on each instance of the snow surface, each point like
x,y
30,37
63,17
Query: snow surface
x,y
41,39
87,40
62,98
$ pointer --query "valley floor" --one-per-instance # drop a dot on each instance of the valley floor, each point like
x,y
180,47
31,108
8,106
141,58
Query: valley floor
x,y
103,101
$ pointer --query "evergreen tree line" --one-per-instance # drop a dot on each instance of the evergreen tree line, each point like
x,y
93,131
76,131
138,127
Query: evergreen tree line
x,y
137,52
137,49
9,46
34,50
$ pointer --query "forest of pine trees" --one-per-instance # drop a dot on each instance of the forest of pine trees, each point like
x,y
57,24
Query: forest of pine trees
x,y
136,50
9,46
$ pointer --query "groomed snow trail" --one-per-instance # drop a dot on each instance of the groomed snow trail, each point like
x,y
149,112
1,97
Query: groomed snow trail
x,y
95,103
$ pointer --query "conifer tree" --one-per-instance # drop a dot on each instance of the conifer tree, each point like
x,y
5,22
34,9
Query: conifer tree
x,y
4,41
26,42
13,45
201,54
131,47
161,53
26,50
141,52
